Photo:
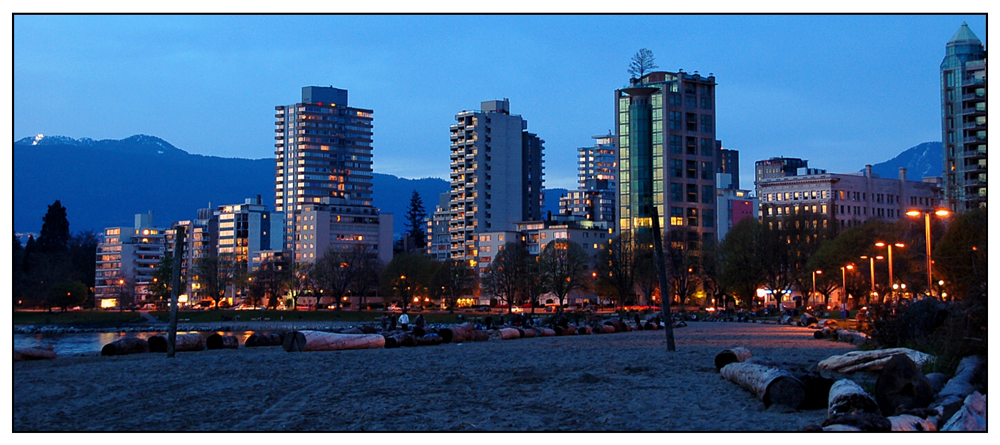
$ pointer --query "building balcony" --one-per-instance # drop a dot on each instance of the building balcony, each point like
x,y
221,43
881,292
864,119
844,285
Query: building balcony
x,y
969,139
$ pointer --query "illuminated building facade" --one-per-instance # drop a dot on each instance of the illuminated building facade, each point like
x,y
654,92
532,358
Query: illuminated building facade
x,y
963,121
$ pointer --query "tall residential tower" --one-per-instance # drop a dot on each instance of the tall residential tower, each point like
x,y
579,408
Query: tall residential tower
x,y
667,155
323,153
963,121
496,175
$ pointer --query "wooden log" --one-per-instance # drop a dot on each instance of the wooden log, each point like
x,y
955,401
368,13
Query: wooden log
x,y
398,339
157,343
505,334
216,341
827,323
938,380
608,329
529,333
951,398
734,355
189,342
352,331
458,334
909,422
366,329
650,326
569,330
971,417
870,361
584,330
901,385
127,345
428,340
617,325
545,332
36,353
847,398
328,341
817,388
770,385
826,332
255,340
763,361
481,335
859,422
850,336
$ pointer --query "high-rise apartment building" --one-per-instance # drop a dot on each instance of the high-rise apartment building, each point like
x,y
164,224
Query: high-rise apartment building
x,y
323,154
667,156
126,259
594,200
963,120
496,175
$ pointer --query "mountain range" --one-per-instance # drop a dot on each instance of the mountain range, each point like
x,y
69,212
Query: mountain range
x,y
104,183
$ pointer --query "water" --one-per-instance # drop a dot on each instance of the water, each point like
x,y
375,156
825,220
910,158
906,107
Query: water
x,y
92,342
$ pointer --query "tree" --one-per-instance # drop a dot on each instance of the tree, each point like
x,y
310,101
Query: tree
x,y
504,277
847,248
711,271
616,266
334,274
296,281
415,216
17,275
642,63
532,286
216,274
407,276
960,256
369,269
682,265
54,237
564,265
67,294
775,256
83,258
739,265
163,280
454,279
645,275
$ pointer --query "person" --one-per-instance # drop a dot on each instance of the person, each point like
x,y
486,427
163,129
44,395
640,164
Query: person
x,y
636,316
392,322
843,311
404,320
384,321
420,322
488,321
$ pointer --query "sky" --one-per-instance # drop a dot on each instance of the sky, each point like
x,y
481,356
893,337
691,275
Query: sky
x,y
841,91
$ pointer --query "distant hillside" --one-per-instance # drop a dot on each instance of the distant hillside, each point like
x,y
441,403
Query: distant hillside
x,y
924,160
105,183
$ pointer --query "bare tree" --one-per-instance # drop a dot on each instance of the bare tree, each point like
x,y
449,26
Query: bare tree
x,y
504,276
563,265
616,266
642,63
367,268
452,280
334,273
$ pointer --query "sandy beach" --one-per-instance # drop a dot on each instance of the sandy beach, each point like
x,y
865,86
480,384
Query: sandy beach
x,y
615,382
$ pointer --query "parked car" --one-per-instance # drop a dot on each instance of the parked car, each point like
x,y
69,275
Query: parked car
x,y
483,309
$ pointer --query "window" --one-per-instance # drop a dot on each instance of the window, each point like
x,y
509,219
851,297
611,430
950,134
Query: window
x,y
692,217
676,168
675,120
706,123
708,218
676,216
707,194
692,193
692,169
707,172
707,145
675,143
676,191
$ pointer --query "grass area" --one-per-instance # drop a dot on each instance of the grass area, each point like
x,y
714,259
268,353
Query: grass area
x,y
75,317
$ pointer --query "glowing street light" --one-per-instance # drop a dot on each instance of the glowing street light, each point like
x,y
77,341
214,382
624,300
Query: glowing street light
x,y
814,285
843,275
871,262
889,246
927,234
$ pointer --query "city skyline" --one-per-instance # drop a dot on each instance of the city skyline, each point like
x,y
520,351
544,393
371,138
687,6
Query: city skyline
x,y
838,90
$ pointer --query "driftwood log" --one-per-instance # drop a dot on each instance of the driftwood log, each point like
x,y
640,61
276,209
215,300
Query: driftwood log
x,y
971,372
256,339
651,326
938,380
529,333
35,353
850,336
216,341
505,334
909,422
770,385
608,329
481,335
617,324
428,340
971,417
157,343
351,331
458,334
127,345
734,355
870,361
850,405
189,342
398,339
328,341
584,330
544,332
826,332
901,386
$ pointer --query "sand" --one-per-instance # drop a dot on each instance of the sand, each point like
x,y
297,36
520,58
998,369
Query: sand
x,y
615,382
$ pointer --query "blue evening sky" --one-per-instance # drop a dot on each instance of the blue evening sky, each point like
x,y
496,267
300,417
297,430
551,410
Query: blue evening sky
x,y
838,90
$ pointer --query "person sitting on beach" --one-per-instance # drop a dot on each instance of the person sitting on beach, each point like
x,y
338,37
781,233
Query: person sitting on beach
x,y
404,320
488,321
420,322
392,322
384,321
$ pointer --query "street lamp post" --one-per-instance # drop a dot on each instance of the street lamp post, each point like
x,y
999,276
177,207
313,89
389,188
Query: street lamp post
x,y
927,235
843,275
889,246
871,267
814,286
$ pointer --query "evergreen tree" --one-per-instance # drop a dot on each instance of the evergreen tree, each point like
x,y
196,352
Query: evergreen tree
x,y
415,220
55,230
